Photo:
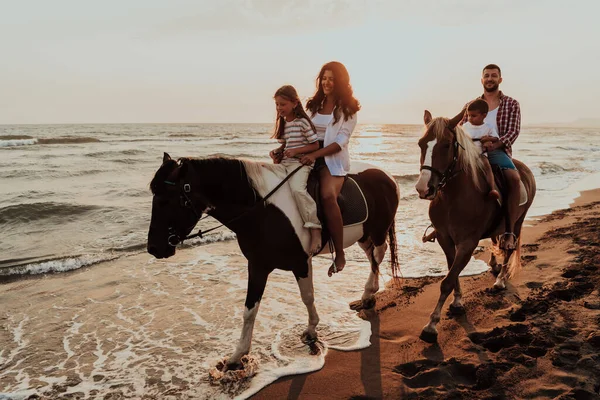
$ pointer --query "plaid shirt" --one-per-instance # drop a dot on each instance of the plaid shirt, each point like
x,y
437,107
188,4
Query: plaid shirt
x,y
508,121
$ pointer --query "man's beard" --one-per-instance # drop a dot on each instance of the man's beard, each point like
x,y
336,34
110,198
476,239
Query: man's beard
x,y
490,89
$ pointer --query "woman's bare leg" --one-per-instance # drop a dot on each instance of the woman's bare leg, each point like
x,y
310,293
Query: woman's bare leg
x,y
331,186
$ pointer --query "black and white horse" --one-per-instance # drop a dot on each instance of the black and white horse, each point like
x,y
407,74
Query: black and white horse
x,y
271,236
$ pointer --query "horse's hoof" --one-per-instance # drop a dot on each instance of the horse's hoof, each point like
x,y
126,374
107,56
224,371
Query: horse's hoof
x,y
363,304
308,338
232,366
429,337
457,310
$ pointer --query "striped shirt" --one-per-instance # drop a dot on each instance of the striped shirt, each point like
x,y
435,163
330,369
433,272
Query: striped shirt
x,y
297,133
508,121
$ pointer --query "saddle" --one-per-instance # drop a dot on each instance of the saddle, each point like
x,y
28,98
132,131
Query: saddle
x,y
351,200
500,182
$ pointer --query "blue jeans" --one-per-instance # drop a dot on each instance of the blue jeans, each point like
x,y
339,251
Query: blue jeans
x,y
501,159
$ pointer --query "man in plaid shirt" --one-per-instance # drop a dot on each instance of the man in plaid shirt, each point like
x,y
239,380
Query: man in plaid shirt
x,y
505,116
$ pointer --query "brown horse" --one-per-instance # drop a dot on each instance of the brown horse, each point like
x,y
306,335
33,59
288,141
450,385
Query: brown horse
x,y
270,233
452,178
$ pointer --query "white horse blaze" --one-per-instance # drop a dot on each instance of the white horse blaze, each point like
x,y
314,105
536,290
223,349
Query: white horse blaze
x,y
425,174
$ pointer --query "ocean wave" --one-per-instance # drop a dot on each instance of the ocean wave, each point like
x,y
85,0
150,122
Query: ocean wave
x,y
23,213
182,135
579,148
68,140
57,264
50,173
410,178
128,152
15,137
17,142
551,168
222,236
236,155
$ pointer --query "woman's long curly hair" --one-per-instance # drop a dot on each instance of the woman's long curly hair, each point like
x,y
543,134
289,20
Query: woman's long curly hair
x,y
342,90
289,93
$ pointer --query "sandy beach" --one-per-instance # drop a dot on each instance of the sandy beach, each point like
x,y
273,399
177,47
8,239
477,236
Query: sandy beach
x,y
538,339
134,328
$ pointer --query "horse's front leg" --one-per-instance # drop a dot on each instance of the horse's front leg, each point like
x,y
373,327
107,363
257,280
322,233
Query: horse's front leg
x,y
308,298
257,281
464,251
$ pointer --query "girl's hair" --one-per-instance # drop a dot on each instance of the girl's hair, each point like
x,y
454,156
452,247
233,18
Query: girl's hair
x,y
342,90
289,93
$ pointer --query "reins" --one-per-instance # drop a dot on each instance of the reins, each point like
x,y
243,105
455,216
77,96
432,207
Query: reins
x,y
187,189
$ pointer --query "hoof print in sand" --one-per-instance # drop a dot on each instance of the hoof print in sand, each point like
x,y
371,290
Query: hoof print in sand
x,y
427,373
504,337
529,307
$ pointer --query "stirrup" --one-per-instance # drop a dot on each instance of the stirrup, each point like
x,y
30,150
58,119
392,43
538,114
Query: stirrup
x,y
432,239
502,241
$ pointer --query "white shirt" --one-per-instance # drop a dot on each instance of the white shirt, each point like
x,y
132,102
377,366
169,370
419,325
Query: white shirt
x,y
476,132
339,163
490,118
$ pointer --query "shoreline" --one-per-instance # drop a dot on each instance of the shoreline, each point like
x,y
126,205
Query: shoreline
x,y
537,339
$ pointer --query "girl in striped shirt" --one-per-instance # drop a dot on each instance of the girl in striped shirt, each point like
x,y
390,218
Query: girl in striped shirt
x,y
297,135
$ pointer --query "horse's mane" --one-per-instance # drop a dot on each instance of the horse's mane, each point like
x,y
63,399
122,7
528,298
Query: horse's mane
x,y
254,171
469,158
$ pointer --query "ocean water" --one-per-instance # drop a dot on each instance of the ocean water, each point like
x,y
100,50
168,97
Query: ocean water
x,y
76,197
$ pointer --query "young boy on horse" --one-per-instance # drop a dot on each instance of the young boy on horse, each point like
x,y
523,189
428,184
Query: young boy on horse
x,y
297,135
482,132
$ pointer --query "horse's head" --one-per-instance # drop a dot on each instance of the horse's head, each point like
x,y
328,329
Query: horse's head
x,y
175,209
439,153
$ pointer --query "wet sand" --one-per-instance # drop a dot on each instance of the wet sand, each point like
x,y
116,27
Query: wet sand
x,y
128,329
538,339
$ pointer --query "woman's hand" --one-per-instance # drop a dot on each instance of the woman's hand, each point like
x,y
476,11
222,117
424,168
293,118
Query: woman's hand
x,y
308,159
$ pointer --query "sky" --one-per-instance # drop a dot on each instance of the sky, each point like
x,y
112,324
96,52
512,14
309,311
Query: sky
x,y
190,61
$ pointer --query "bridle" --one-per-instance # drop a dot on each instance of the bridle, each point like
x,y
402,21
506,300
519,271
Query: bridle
x,y
449,173
173,237
184,199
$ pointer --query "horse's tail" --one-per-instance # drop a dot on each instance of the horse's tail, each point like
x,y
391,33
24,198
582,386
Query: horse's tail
x,y
393,246
514,263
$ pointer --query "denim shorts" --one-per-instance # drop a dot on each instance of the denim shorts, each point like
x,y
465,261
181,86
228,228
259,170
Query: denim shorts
x,y
501,159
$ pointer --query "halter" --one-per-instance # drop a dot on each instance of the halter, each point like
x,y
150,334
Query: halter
x,y
174,239
449,172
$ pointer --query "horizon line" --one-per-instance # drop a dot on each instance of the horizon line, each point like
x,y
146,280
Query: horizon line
x,y
578,123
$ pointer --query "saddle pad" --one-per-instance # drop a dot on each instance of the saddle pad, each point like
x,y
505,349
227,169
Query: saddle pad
x,y
351,200
522,195
352,203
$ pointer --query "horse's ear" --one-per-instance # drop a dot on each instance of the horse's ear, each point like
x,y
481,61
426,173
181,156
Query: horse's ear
x,y
166,157
454,121
427,117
